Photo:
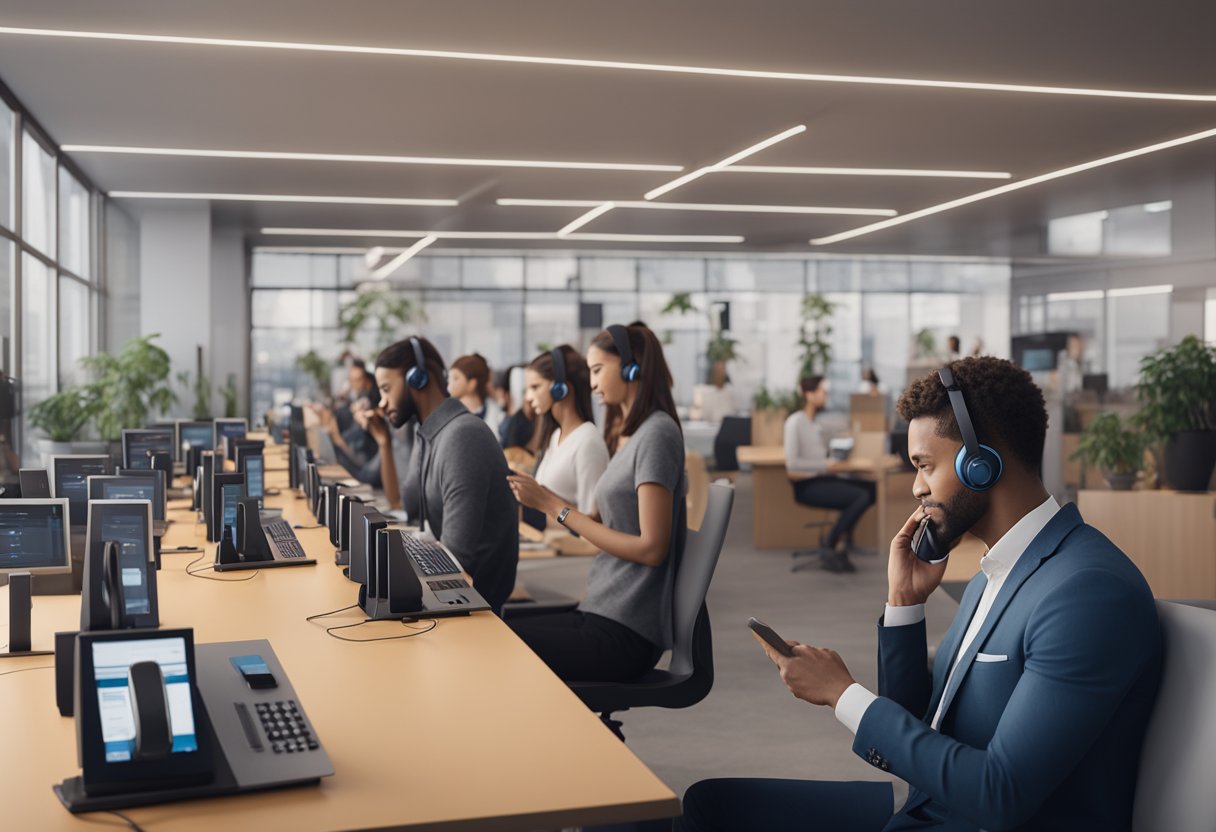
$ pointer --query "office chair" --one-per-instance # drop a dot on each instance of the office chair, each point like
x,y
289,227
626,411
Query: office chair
x,y
690,675
1174,789
733,432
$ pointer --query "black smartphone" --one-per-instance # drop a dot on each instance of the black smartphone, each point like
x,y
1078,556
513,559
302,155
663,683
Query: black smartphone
x,y
925,543
770,636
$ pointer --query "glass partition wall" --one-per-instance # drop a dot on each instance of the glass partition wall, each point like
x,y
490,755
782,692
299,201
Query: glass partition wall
x,y
509,306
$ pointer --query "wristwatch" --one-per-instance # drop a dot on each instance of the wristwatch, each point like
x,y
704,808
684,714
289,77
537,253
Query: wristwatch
x,y
563,514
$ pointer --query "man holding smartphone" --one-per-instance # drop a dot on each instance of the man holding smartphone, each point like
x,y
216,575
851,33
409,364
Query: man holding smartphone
x,y
1034,713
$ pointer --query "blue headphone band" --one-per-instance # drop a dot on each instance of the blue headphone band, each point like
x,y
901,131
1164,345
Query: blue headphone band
x,y
630,370
560,388
417,377
977,466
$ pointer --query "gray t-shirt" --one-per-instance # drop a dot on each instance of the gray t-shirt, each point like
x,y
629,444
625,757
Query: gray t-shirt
x,y
638,596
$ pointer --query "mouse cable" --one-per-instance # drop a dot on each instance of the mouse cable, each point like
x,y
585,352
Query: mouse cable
x,y
417,632
196,573
331,612
131,824
26,669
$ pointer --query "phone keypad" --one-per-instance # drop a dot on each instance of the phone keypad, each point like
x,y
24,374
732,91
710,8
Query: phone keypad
x,y
284,724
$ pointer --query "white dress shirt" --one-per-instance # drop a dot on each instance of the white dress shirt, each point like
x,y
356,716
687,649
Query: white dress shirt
x,y
996,566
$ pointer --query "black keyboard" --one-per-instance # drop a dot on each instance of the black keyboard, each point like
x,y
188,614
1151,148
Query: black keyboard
x,y
285,727
285,539
431,559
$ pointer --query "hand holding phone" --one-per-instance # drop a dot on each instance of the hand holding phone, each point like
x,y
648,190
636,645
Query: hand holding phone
x,y
770,637
925,544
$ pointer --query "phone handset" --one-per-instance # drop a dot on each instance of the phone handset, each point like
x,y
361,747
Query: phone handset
x,y
926,544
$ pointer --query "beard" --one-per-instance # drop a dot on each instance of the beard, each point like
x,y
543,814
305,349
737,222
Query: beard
x,y
959,513
405,411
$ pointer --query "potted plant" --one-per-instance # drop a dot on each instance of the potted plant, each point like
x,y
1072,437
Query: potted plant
x,y
814,333
129,387
61,417
316,368
377,304
229,392
1177,394
769,412
1116,447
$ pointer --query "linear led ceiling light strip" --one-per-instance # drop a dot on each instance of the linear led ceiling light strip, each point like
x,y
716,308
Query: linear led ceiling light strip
x,y
402,258
743,208
635,66
725,163
327,200
1013,186
502,235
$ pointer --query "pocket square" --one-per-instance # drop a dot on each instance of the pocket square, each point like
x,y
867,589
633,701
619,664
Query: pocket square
x,y
991,657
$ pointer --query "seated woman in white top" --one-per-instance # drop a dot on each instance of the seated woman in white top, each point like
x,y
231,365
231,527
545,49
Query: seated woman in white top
x,y
573,454
806,461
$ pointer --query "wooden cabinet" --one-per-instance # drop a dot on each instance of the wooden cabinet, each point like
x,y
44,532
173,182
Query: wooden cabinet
x,y
1171,536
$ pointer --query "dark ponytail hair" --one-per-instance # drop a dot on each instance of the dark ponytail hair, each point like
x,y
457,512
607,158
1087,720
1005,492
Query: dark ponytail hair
x,y
477,370
578,377
654,384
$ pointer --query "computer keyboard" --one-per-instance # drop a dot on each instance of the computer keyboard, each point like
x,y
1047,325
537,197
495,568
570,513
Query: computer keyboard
x,y
285,727
285,539
431,559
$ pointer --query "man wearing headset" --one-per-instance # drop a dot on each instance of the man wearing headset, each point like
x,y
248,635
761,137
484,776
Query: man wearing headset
x,y
457,465
1034,713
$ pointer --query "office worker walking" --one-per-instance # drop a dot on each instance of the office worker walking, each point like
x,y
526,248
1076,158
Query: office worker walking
x,y
1034,713
810,470
460,470
624,622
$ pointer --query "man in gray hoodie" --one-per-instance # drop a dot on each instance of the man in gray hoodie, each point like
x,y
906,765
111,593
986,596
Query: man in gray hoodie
x,y
464,498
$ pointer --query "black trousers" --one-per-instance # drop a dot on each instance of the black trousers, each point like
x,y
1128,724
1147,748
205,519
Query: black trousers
x,y
584,647
786,806
851,497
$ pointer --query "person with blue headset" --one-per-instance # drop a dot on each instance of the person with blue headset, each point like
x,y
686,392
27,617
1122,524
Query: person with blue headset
x,y
1034,712
572,455
457,466
624,622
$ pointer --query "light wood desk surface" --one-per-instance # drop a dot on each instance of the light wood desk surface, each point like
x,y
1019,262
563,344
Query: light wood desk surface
x,y
461,728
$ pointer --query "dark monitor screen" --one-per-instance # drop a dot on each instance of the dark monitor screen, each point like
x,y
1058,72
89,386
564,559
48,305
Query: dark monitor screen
x,y
255,475
231,496
130,532
195,435
157,478
71,480
33,535
35,484
298,430
138,445
1038,358
228,430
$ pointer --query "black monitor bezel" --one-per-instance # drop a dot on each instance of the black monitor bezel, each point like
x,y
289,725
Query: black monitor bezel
x,y
126,448
218,481
217,430
93,557
53,473
66,566
181,457
160,508
242,468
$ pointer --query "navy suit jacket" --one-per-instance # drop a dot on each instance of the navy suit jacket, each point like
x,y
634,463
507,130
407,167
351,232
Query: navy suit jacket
x,y
1045,734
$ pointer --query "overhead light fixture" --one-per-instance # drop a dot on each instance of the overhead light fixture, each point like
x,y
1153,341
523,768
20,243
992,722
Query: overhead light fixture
x,y
373,256
500,235
813,77
359,157
597,211
402,258
828,171
326,200
1013,186
725,163
1136,291
1158,207
743,208
1092,294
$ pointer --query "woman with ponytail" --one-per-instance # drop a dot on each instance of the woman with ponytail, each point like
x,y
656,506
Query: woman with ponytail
x,y
624,623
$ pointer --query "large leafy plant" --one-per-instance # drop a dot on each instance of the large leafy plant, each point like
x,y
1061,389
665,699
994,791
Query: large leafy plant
x,y
129,387
316,368
777,400
1177,389
721,346
62,416
380,306
1113,445
814,334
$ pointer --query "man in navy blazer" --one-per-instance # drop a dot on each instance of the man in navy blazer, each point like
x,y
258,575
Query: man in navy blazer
x,y
1034,714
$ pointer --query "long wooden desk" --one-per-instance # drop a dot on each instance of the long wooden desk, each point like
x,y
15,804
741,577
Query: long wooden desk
x,y
459,729
779,521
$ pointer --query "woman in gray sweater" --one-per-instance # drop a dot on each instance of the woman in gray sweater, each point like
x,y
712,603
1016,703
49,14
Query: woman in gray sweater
x,y
624,623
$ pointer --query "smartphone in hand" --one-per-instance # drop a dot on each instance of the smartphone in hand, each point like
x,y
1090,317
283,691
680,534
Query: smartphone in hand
x,y
770,637
925,544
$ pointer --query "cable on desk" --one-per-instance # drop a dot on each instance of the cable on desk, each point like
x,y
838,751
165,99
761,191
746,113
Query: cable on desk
x,y
180,550
27,669
330,630
331,612
131,824
196,573
312,526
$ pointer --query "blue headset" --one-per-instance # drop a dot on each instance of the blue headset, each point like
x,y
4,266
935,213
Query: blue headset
x,y
559,388
630,369
417,377
978,466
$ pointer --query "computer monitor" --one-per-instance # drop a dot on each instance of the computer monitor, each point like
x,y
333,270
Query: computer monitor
x,y
69,478
301,457
35,484
226,432
227,490
297,429
128,485
194,435
34,536
244,447
253,466
119,568
139,445
159,505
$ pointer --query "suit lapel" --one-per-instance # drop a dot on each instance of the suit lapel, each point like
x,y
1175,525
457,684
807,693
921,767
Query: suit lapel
x,y
1045,544
954,637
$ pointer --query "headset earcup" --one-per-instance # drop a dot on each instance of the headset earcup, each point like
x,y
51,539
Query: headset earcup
x,y
979,471
559,390
416,378
631,372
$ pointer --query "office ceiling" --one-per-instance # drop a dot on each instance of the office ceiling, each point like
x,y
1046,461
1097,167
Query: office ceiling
x,y
87,91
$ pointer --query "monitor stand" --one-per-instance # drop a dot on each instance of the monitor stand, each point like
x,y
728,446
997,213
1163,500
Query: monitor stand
x,y
20,605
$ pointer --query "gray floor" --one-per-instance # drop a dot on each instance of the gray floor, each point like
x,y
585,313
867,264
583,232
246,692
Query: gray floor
x,y
750,725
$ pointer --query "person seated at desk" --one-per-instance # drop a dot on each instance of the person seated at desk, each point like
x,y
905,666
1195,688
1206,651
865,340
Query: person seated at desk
x,y
355,448
715,401
806,461
463,496
518,429
624,622
469,381
573,455
1034,714
360,391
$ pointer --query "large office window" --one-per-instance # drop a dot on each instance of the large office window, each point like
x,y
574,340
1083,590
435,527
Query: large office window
x,y
38,330
8,158
37,196
74,314
74,225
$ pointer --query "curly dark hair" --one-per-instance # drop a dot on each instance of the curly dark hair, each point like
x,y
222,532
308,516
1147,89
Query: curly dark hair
x,y
1005,405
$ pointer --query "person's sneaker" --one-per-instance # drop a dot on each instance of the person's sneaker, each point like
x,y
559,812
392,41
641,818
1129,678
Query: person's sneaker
x,y
832,562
